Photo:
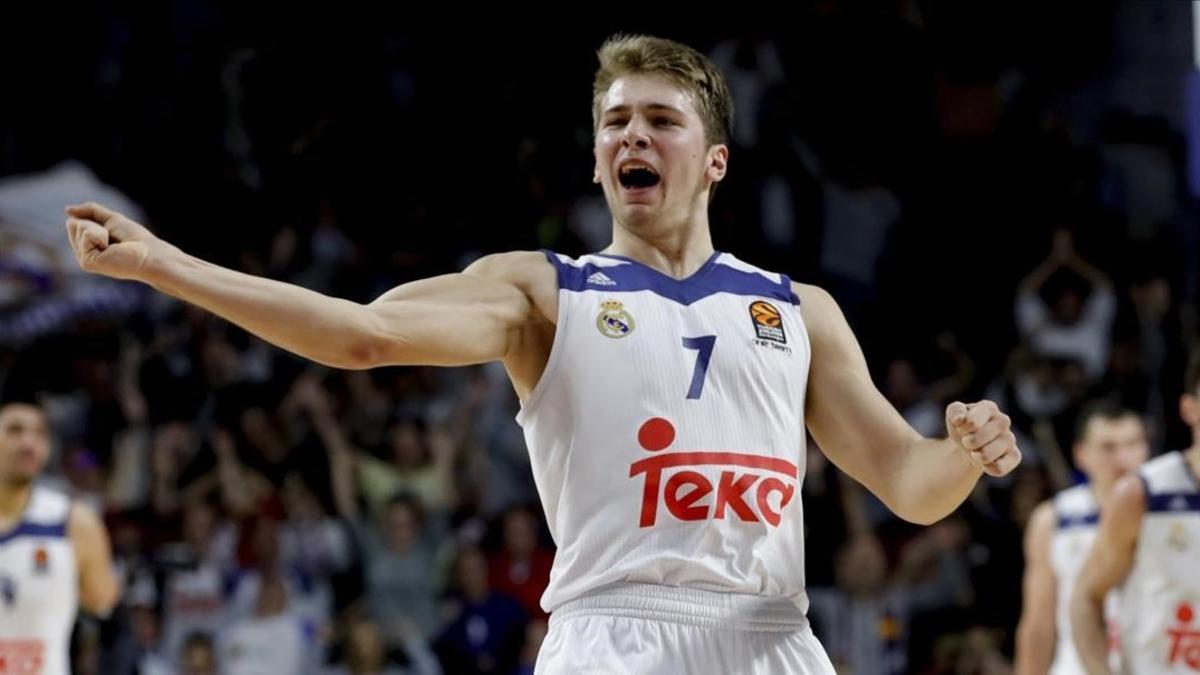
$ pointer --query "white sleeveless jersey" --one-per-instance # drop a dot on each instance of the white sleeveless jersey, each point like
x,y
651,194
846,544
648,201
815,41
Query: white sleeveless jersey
x,y
1160,609
1077,517
38,588
667,432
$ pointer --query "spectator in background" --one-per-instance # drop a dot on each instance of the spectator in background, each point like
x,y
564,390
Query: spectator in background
x,y
922,404
194,599
401,564
38,289
486,628
865,620
1059,319
752,67
521,568
419,461
199,656
271,640
365,653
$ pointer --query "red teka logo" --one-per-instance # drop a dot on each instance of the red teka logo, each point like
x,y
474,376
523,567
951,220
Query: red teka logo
x,y
21,657
733,489
1185,639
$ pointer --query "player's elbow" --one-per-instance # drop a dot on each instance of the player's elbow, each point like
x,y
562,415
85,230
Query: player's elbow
x,y
366,346
359,355
917,510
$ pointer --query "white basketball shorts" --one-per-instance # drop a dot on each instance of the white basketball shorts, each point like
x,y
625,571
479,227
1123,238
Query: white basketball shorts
x,y
653,629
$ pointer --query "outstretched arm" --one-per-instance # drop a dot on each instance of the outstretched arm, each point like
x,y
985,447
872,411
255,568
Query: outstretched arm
x,y
455,319
1107,566
921,480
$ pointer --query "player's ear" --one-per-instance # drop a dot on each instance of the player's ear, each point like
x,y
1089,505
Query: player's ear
x,y
1081,457
1189,410
718,162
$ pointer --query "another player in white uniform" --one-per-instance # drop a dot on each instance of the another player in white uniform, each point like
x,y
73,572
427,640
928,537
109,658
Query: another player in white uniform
x,y
1110,442
54,556
1149,547
665,389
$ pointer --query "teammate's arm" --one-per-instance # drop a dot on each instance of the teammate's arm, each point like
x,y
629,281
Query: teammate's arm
x,y
921,480
1107,566
98,585
1036,630
455,319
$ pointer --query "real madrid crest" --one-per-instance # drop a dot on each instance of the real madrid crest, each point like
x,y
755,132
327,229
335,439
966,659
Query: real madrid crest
x,y
1177,539
613,321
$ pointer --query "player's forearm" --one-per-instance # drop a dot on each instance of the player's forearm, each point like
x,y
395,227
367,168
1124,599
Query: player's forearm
x,y
932,480
1035,648
331,331
1091,640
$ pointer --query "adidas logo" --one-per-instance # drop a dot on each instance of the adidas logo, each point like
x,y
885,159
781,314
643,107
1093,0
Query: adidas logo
x,y
600,279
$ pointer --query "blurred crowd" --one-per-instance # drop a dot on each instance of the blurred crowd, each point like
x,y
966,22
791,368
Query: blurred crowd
x,y
996,218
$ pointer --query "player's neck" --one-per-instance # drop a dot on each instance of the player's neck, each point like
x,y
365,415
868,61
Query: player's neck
x,y
13,500
678,253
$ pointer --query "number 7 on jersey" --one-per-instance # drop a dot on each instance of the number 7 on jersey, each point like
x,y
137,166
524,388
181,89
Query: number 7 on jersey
x,y
704,348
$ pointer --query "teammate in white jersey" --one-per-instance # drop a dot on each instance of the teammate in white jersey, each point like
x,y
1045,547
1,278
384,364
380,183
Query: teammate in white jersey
x,y
1149,547
665,387
54,556
1110,442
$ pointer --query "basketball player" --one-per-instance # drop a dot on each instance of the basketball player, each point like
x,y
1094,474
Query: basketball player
x,y
1110,442
1149,546
665,389
54,556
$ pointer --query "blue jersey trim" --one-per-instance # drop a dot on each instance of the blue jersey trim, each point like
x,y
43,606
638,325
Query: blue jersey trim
x,y
1173,502
1067,522
712,278
34,530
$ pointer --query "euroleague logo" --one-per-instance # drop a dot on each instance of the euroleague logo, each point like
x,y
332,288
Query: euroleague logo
x,y
768,326
768,483
768,323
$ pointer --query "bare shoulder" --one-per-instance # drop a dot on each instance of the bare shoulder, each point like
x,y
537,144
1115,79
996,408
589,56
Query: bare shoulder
x,y
529,271
1041,521
815,297
87,532
83,521
822,316
515,267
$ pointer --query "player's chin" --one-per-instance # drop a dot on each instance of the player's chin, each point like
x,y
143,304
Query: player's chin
x,y
639,214
22,476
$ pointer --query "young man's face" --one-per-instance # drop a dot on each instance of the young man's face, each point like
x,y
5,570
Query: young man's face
x,y
1111,448
652,156
24,443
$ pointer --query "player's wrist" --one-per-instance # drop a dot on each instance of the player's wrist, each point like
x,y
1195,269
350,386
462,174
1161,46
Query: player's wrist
x,y
162,264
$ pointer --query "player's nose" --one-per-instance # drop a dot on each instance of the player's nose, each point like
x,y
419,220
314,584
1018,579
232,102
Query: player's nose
x,y
635,136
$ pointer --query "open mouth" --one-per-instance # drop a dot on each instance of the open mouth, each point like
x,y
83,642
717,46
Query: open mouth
x,y
637,177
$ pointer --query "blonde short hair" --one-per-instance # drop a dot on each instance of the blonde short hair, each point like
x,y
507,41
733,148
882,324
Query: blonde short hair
x,y
642,54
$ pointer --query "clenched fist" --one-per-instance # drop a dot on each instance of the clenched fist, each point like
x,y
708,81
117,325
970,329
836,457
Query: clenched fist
x,y
106,242
986,434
